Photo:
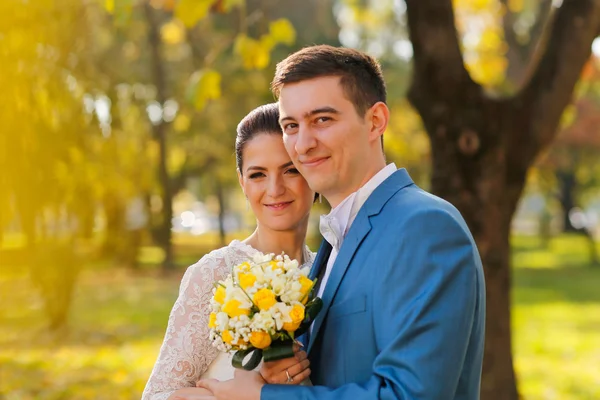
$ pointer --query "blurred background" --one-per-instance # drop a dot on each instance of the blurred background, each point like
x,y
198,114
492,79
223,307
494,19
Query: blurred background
x,y
117,169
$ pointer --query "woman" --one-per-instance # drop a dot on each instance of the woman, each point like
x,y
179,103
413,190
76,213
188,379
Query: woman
x,y
281,200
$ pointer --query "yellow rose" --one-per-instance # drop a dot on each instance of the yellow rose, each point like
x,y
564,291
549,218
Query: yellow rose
x,y
212,320
264,299
306,286
232,308
297,316
260,339
220,295
247,280
227,337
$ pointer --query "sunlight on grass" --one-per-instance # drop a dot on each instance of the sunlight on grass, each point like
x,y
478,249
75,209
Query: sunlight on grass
x,y
556,320
119,317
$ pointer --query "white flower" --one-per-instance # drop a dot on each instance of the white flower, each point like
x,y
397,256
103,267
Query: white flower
x,y
263,321
281,314
278,284
222,321
260,258
290,265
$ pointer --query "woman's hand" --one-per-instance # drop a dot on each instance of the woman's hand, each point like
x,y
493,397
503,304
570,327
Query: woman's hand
x,y
291,370
191,393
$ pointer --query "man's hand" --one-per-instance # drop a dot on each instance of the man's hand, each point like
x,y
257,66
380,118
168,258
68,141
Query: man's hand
x,y
245,386
291,370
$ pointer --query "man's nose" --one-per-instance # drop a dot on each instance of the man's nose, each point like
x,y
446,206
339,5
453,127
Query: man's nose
x,y
306,141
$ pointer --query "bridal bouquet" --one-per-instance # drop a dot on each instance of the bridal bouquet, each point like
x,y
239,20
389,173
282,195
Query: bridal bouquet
x,y
260,308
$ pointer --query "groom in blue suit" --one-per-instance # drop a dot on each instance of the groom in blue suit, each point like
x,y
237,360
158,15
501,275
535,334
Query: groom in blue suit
x,y
401,279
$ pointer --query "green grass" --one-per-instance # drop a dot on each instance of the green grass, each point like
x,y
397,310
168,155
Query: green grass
x,y
556,319
119,317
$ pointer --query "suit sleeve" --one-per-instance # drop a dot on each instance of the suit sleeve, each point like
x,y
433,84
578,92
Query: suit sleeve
x,y
423,315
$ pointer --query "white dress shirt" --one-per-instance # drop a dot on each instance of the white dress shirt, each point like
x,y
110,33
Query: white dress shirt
x,y
336,224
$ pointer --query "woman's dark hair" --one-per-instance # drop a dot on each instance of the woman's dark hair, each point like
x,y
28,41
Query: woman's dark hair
x,y
263,119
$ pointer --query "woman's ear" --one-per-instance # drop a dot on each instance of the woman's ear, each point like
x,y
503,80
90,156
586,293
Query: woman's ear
x,y
241,181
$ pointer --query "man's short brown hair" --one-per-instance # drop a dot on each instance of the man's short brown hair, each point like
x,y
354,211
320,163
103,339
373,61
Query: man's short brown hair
x,y
360,74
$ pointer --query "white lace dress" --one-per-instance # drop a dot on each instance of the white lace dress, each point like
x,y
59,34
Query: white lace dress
x,y
187,354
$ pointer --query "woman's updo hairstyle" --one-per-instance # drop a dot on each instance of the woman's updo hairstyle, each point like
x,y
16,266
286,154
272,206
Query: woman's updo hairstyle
x,y
263,119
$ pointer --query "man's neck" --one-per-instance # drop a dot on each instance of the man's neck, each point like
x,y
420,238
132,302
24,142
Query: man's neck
x,y
336,199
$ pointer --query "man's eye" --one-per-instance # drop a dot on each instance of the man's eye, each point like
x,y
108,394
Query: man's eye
x,y
290,127
323,119
293,171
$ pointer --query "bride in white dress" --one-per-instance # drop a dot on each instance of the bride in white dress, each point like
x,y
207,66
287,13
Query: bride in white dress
x,y
281,200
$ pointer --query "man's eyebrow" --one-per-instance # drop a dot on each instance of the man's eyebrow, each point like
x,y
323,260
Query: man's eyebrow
x,y
320,110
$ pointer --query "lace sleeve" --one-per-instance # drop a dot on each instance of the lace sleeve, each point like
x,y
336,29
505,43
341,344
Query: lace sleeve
x,y
186,351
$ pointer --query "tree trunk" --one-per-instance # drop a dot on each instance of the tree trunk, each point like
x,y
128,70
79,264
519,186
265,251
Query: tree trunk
x,y
482,147
160,135
567,183
566,197
222,208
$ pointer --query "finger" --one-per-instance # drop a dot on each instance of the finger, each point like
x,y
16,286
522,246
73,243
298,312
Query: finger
x,y
301,355
298,368
298,379
276,367
208,384
296,346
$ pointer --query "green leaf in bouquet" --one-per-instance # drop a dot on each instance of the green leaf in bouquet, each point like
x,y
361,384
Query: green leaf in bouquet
x,y
238,358
279,351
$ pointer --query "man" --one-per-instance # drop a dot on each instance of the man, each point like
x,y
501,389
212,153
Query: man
x,y
403,288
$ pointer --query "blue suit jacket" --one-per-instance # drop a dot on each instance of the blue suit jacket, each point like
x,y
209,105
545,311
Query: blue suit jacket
x,y
404,305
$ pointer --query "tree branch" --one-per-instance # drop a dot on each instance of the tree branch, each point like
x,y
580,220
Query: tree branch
x,y
520,53
550,88
438,63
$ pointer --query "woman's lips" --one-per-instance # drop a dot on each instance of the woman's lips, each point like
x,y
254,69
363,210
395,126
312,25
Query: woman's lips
x,y
278,206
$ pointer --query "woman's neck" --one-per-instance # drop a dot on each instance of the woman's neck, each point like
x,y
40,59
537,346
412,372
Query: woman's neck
x,y
290,242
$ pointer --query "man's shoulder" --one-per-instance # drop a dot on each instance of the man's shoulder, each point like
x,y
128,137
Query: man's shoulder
x,y
413,201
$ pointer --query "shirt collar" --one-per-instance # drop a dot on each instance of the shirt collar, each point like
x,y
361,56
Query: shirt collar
x,y
336,224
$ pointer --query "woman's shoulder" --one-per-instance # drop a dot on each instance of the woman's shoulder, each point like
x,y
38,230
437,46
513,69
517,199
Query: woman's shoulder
x,y
234,252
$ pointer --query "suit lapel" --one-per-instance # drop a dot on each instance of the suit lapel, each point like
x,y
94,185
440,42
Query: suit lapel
x,y
358,230
321,259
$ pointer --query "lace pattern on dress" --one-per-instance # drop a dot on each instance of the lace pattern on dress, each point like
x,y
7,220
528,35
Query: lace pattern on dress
x,y
187,352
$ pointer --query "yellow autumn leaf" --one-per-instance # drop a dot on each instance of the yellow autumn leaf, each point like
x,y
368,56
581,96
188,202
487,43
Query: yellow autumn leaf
x,y
254,54
172,32
282,31
182,122
191,11
515,6
206,86
228,5
109,5
176,159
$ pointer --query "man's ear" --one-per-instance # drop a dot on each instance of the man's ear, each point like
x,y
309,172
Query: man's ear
x,y
378,118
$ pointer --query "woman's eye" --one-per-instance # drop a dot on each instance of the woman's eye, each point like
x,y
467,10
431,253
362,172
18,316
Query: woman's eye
x,y
256,175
